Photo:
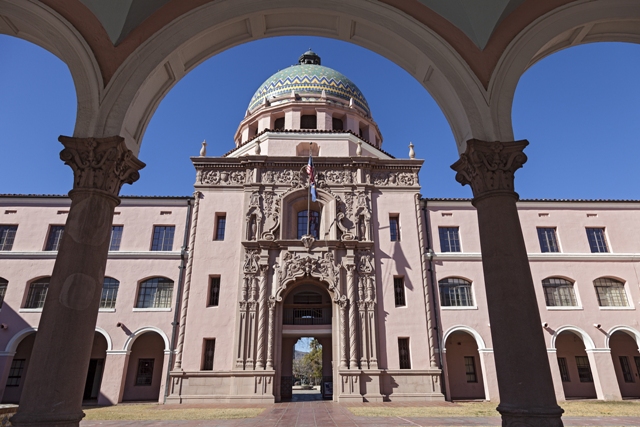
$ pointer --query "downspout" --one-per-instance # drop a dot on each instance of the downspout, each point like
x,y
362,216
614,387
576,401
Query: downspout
x,y
176,313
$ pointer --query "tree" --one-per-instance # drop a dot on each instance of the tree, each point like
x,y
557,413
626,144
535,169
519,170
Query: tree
x,y
313,360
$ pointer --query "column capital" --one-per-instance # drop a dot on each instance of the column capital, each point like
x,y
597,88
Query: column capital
x,y
489,167
103,164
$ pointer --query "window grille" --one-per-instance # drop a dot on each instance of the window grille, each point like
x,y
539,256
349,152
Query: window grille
x,y
394,228
564,370
15,372
403,350
597,240
610,293
54,238
584,370
559,292
162,238
7,236
398,291
3,289
548,240
144,375
209,350
116,237
314,226
470,369
455,292
449,239
109,293
308,121
37,293
155,293
214,291
221,225
626,369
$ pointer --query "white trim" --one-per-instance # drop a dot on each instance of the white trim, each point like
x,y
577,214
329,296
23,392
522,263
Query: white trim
x,y
624,307
485,350
15,340
546,257
129,343
458,307
598,350
7,353
462,328
552,350
112,255
106,336
118,352
106,310
565,307
621,328
586,339
30,310
152,309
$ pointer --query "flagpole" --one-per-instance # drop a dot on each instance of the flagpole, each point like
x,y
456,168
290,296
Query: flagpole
x,y
309,198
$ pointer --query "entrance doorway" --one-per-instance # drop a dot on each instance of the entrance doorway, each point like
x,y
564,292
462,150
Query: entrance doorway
x,y
307,370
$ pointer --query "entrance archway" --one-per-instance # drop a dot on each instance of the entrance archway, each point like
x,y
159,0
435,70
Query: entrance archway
x,y
464,374
626,362
96,368
144,371
576,371
18,371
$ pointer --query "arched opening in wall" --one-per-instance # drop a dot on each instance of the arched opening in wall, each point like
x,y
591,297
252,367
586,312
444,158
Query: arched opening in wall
x,y
307,368
96,369
18,370
145,367
575,368
626,362
464,373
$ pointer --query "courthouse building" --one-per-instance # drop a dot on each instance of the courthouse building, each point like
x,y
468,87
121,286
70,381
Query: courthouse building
x,y
204,297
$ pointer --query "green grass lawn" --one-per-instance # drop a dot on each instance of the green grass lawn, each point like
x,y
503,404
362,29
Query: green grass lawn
x,y
141,412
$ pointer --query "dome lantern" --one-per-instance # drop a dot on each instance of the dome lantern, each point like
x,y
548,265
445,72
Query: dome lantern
x,y
309,57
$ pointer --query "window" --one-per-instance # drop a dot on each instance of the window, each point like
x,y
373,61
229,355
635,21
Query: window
x,y
307,297
337,124
221,224
15,372
548,239
3,289
37,293
449,239
637,360
109,293
626,369
564,371
584,370
278,124
398,291
559,292
7,235
455,292
145,372
403,350
610,293
162,238
214,291
209,350
54,238
116,237
308,122
314,226
394,228
597,241
155,293
470,369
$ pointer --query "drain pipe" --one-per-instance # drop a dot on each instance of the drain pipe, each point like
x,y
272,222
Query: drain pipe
x,y
174,324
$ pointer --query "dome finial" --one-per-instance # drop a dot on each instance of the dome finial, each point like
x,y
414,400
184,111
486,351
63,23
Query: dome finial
x,y
309,57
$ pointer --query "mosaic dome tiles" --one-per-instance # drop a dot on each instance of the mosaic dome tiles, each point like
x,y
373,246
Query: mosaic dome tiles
x,y
306,79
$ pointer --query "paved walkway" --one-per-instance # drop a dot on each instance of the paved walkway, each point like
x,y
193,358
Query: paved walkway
x,y
329,414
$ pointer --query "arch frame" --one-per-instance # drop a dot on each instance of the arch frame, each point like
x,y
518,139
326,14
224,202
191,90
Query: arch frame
x,y
587,341
128,345
106,336
632,332
467,329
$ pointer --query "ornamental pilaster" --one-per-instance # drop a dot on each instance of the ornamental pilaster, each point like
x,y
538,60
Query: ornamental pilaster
x,y
342,304
262,315
353,343
272,315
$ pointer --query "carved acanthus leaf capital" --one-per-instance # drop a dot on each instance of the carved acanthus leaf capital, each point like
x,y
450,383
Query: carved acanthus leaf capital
x,y
490,166
100,163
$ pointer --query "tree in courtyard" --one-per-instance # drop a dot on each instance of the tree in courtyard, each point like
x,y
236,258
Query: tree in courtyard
x,y
313,360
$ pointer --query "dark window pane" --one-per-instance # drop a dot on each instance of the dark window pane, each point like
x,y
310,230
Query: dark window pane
x,y
597,240
314,227
15,372
109,293
398,291
584,370
307,298
394,228
403,351
54,238
338,124
626,369
610,293
37,293
455,292
470,369
7,235
637,360
449,239
548,240
564,371
116,236
145,372
214,291
221,224
308,122
278,124
209,350
559,292
3,289
162,238
155,293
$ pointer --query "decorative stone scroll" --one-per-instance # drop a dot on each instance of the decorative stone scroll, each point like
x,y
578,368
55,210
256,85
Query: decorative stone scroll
x,y
336,177
293,266
223,177
103,164
282,176
490,166
272,214
394,179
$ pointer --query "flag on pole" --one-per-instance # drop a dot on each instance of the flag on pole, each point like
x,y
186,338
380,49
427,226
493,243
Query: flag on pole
x,y
312,181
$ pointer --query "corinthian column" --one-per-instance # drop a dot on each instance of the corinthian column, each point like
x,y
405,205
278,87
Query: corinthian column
x,y
262,316
57,372
353,317
527,396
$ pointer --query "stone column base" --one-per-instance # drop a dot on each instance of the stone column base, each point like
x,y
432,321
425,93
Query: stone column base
x,y
534,417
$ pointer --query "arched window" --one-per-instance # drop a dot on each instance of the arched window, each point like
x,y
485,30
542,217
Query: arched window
x,y
3,289
338,124
309,121
314,225
455,292
37,293
610,292
109,292
559,292
155,293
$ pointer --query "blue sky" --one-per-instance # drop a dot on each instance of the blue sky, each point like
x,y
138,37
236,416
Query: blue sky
x,y
578,108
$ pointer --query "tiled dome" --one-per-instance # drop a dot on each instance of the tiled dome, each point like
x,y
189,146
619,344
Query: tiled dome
x,y
309,77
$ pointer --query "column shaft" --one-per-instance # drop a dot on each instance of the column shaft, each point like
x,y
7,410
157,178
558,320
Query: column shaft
x,y
344,354
353,321
262,316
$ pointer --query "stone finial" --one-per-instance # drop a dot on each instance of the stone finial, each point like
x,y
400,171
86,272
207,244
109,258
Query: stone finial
x,y
258,149
203,149
350,102
490,166
412,153
103,164
323,95
359,149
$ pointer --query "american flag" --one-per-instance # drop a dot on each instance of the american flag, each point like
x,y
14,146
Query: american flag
x,y
312,182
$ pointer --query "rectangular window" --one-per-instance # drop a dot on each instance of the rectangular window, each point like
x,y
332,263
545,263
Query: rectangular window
x,y
398,291
449,239
626,369
584,370
394,228
145,372
15,373
637,360
470,369
54,238
597,240
209,350
7,235
221,225
162,238
214,292
403,350
116,237
564,371
548,240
